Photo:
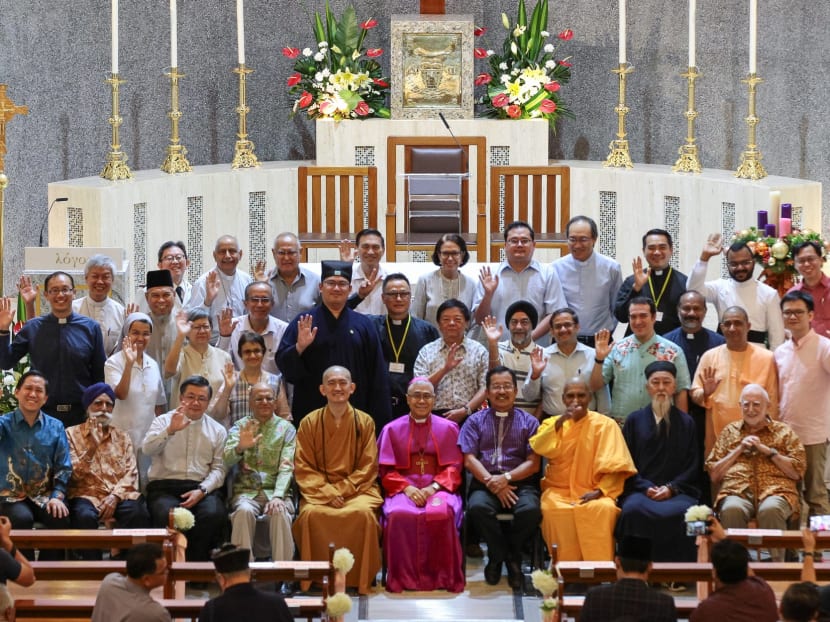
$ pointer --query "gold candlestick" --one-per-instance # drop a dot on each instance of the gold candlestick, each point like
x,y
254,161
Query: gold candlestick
x,y
619,156
176,160
689,162
751,167
116,166
243,153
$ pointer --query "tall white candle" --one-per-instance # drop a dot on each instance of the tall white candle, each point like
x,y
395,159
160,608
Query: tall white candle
x,y
114,28
692,33
753,35
174,35
622,31
240,31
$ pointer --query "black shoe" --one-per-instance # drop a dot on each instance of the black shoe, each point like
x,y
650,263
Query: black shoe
x,y
492,573
473,550
515,578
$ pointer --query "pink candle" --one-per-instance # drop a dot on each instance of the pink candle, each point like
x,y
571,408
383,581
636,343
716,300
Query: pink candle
x,y
785,226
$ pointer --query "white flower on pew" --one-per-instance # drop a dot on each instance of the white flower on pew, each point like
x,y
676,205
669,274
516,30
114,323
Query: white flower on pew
x,y
343,560
549,604
545,582
338,604
698,513
183,519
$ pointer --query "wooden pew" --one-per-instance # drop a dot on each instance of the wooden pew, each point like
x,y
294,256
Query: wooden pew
x,y
87,538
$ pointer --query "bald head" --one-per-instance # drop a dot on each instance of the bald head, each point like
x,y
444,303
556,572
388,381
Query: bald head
x,y
337,370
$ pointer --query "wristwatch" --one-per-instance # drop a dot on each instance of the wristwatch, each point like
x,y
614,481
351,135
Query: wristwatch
x,y
772,453
203,489
508,477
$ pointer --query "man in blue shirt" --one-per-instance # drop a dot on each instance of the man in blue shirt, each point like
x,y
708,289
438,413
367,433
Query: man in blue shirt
x,y
36,468
66,347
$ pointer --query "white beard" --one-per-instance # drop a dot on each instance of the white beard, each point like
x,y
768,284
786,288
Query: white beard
x,y
660,407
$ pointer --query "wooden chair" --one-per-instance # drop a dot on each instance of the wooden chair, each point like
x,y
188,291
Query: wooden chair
x,y
335,203
539,195
473,216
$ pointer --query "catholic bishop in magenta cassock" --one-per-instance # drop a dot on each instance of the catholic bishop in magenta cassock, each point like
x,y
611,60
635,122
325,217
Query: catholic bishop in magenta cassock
x,y
336,469
588,463
420,469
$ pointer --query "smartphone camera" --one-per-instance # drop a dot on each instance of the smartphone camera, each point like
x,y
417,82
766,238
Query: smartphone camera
x,y
820,523
696,528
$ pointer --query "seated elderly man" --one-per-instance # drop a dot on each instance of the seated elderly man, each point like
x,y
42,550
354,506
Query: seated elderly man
x,y
588,463
757,463
661,439
104,483
263,447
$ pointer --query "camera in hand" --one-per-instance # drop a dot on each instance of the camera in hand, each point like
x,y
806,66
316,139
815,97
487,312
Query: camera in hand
x,y
697,528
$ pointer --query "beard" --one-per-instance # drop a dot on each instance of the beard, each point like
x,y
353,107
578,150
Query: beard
x,y
660,406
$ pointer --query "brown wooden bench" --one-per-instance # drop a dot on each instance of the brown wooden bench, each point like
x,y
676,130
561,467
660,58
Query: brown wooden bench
x,y
87,538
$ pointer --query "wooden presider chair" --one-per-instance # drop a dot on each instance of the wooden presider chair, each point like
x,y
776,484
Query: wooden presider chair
x,y
539,195
334,203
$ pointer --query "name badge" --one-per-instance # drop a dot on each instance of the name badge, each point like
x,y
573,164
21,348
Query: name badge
x,y
659,316
397,368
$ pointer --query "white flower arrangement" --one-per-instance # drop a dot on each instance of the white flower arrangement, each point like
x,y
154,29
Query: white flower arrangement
x,y
697,513
183,519
544,581
343,560
338,604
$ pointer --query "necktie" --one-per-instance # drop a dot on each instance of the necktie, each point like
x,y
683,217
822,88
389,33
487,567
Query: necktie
x,y
180,293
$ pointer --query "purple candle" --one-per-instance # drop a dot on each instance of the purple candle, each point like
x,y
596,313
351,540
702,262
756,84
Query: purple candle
x,y
770,230
787,210
762,219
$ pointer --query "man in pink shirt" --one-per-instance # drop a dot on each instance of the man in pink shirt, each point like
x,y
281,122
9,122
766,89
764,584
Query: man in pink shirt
x,y
809,257
803,364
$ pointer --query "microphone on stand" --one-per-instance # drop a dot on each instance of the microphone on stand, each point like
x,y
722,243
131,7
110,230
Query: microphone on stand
x,y
457,144
46,220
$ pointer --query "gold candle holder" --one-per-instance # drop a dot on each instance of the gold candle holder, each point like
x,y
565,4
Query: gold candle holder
x,y
176,160
116,166
619,155
751,167
243,153
689,162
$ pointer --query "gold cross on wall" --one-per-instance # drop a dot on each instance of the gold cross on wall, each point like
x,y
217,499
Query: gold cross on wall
x,y
7,110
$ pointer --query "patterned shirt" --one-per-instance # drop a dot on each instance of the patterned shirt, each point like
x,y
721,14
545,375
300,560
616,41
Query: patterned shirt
x,y
268,467
271,335
755,476
626,366
499,443
239,403
103,463
458,387
519,361
35,462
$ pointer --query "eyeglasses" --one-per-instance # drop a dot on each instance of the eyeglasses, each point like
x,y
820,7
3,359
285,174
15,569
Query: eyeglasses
x,y
173,258
201,327
398,295
564,326
264,400
287,253
420,396
60,292
202,399
501,387
753,405
793,312
259,301
337,284
519,241
450,254
580,240
808,259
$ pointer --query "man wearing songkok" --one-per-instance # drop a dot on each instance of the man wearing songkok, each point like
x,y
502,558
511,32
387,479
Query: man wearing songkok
x,y
564,359
658,281
498,456
809,260
625,361
336,469
757,463
127,597
401,337
65,346
740,290
518,277
104,484
240,600
369,273
589,280
588,463
514,353
333,334
172,256
455,364
295,289
36,467
263,447
420,469
661,441
630,598
187,469
724,371
803,364
160,297
223,286
98,305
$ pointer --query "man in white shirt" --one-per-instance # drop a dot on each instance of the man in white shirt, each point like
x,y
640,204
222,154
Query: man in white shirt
x,y
98,305
188,467
368,274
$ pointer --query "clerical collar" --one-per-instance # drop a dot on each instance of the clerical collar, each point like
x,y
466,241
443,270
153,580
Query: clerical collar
x,y
500,413
690,336
397,322
420,421
657,272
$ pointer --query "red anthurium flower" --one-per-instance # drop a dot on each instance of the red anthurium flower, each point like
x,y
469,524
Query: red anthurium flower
x,y
564,63
500,100
480,53
552,87
381,83
294,79
374,52
566,35
514,112
369,23
479,31
362,109
305,99
547,106
483,78
291,52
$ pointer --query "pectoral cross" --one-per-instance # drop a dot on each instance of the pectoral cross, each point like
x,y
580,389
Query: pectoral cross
x,y
7,110
422,463
433,7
